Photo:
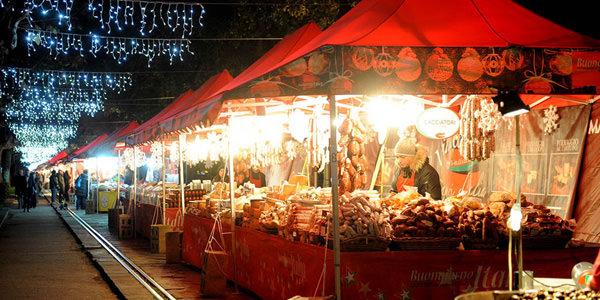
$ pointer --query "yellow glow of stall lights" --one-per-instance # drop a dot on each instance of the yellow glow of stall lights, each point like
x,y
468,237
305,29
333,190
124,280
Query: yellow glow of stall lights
x,y
299,125
387,112
256,131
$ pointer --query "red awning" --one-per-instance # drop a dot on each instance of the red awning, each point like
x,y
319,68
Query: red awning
x,y
108,145
151,128
267,63
84,149
262,66
434,23
59,156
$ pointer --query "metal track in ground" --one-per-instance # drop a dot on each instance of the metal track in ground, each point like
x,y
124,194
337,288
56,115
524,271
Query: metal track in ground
x,y
142,277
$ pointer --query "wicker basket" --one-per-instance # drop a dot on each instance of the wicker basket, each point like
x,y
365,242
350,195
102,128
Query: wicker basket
x,y
424,243
361,244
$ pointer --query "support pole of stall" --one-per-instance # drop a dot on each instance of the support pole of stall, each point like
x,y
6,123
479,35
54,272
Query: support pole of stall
x,y
333,164
164,184
518,202
118,179
232,203
134,189
181,179
97,184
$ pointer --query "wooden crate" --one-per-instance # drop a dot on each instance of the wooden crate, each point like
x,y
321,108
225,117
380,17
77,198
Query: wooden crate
x,y
125,232
90,207
173,246
158,238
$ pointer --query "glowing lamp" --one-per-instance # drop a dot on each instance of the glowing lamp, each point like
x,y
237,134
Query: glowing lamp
x,y
515,218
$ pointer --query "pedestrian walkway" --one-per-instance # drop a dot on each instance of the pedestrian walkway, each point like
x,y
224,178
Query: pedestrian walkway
x,y
40,259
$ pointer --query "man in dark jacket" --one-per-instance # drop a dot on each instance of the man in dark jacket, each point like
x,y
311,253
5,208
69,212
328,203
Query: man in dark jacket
x,y
54,185
81,190
20,184
67,197
415,170
61,188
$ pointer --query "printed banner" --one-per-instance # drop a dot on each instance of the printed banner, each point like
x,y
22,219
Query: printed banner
x,y
275,268
588,207
430,71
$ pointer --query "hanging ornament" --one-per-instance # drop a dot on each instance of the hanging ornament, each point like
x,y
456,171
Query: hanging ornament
x,y
120,49
156,154
266,88
318,62
539,82
295,68
363,58
384,63
148,15
513,59
550,119
562,64
439,66
408,66
341,84
469,67
493,64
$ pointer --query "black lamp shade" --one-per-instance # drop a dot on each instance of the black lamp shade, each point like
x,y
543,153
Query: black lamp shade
x,y
510,104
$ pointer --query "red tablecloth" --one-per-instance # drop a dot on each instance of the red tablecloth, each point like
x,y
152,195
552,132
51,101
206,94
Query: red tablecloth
x,y
274,268
148,214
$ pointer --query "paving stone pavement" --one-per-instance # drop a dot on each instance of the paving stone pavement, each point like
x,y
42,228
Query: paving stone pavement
x,y
40,259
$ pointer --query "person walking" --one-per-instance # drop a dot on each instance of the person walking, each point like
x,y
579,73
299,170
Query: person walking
x,y
20,184
81,190
67,198
54,185
61,188
39,186
31,191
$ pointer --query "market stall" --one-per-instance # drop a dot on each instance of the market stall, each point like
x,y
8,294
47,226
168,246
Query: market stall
x,y
160,199
365,82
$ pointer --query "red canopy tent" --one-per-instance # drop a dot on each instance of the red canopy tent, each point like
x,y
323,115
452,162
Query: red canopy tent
x,y
288,45
86,148
152,128
109,144
58,157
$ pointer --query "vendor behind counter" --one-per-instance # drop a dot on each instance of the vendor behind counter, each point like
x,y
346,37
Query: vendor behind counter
x,y
413,169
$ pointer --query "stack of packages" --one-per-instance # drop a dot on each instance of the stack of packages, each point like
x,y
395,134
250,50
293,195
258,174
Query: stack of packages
x,y
298,222
362,217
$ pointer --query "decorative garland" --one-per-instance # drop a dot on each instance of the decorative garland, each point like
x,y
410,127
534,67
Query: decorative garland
x,y
148,15
120,48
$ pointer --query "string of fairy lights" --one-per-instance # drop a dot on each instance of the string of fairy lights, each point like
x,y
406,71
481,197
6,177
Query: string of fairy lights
x,y
46,105
120,49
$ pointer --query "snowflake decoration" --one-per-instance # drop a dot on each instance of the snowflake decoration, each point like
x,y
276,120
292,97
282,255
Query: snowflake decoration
x,y
550,119
489,116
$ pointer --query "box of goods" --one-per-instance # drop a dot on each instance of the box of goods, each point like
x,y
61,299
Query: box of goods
x,y
298,221
158,238
113,219
272,216
90,207
125,226
423,224
173,246
541,228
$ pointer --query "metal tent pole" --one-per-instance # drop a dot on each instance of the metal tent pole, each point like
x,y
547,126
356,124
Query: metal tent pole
x,y
118,177
518,202
97,184
232,203
164,184
181,179
333,164
134,189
